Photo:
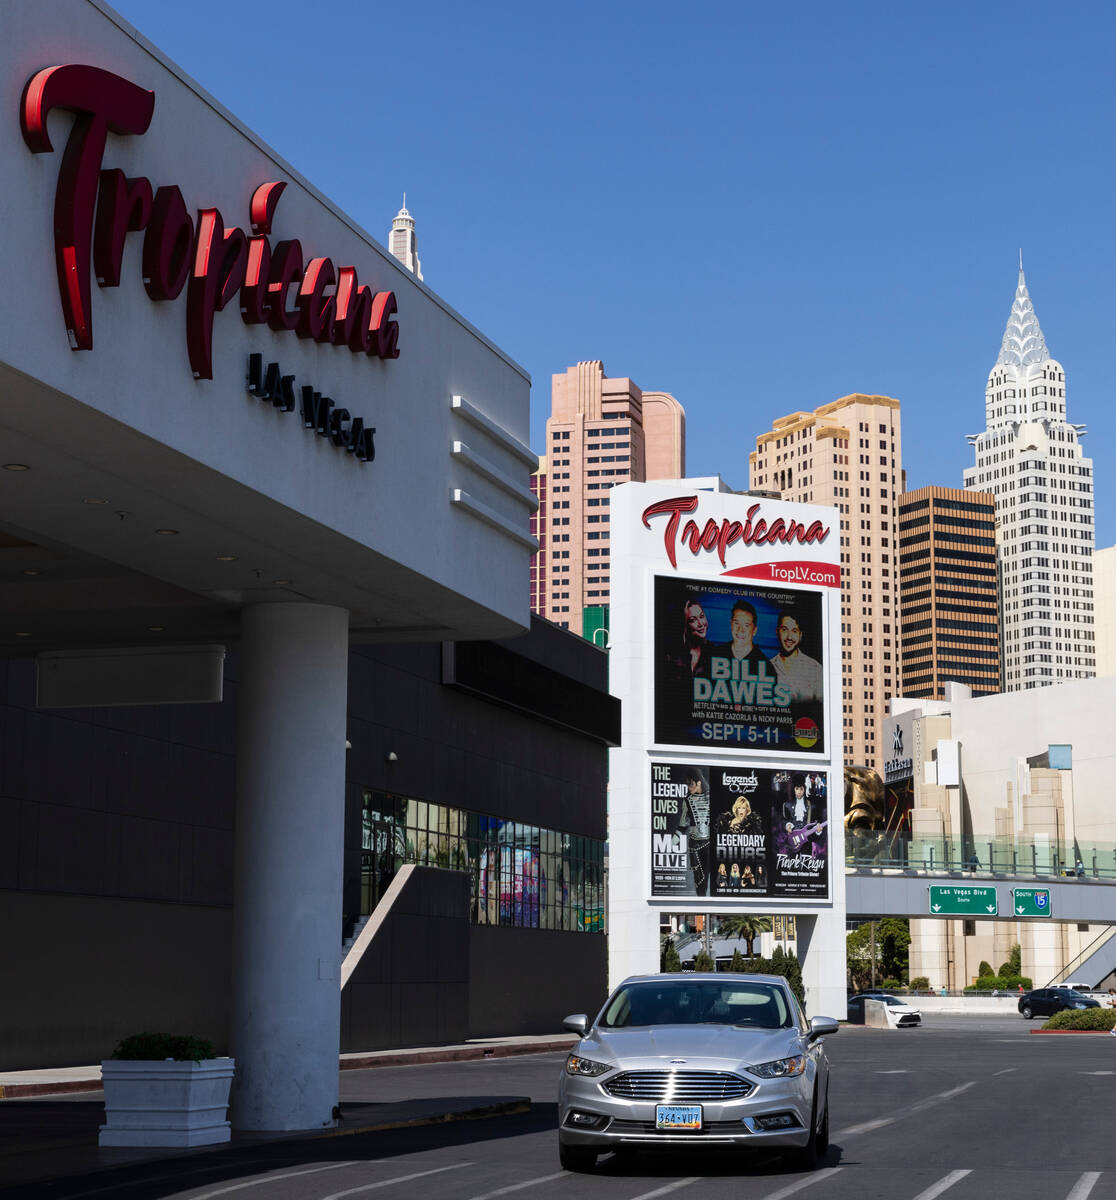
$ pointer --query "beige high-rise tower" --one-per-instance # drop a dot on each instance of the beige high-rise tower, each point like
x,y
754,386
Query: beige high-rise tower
x,y
601,432
404,240
849,454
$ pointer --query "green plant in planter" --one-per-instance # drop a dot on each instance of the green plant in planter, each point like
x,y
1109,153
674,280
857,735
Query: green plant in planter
x,y
1083,1018
154,1047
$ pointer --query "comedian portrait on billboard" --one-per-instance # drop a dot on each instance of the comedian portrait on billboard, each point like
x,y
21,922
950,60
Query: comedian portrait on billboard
x,y
738,666
738,832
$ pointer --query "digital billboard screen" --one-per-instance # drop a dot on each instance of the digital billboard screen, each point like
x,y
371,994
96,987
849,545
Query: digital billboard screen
x,y
738,832
738,666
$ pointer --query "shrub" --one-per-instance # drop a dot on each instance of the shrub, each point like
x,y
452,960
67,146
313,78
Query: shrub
x,y
739,962
985,969
890,985
1014,964
704,962
670,960
989,983
1083,1018
154,1047
920,983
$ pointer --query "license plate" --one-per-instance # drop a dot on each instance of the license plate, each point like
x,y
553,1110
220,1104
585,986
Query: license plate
x,y
677,1116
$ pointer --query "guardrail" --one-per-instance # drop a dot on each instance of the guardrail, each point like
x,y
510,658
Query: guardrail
x,y
1020,858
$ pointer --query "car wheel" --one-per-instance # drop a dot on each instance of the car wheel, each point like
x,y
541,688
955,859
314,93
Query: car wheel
x,y
1026,1011
576,1158
806,1157
823,1131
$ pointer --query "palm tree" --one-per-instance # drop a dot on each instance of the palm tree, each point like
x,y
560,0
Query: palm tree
x,y
744,926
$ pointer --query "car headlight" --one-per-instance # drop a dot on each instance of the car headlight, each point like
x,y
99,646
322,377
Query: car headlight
x,y
780,1068
576,1065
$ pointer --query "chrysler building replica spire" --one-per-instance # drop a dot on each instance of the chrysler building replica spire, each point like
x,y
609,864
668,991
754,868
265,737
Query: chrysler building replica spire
x,y
404,242
1032,461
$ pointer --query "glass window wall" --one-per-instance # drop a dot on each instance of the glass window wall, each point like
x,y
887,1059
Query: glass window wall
x,y
521,875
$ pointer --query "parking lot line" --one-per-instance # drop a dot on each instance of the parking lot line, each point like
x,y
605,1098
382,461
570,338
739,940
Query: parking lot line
x,y
670,1187
237,1187
381,1183
1082,1188
791,1188
943,1185
899,1114
515,1187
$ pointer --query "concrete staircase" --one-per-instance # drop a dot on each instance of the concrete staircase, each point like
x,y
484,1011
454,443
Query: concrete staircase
x,y
348,943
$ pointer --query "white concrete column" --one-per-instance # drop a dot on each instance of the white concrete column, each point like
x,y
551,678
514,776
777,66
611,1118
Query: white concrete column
x,y
286,1009
821,952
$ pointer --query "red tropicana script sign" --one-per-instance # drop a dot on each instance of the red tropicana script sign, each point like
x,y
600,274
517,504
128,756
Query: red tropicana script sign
x,y
719,536
95,210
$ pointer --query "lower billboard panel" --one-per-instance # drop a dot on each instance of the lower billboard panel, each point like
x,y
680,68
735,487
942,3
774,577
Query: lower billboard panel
x,y
739,832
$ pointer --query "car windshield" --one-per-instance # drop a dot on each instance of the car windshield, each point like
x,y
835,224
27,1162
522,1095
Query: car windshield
x,y
698,1002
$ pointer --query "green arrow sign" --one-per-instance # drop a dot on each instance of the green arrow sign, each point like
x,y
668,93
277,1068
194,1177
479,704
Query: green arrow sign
x,y
962,901
1030,902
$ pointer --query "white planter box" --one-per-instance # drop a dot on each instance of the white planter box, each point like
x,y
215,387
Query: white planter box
x,y
166,1103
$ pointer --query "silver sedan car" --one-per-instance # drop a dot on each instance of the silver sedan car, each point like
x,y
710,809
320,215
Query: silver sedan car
x,y
718,1060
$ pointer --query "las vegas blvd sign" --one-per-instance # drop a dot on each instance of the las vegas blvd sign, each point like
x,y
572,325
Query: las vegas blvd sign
x,y
962,901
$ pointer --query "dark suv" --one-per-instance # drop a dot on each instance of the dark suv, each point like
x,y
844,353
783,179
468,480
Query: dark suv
x,y
1045,1002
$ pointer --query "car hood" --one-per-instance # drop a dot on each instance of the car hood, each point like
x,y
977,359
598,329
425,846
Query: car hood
x,y
902,1009
718,1047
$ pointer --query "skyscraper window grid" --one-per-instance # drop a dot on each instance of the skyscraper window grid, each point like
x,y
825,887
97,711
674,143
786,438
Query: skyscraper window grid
x,y
849,454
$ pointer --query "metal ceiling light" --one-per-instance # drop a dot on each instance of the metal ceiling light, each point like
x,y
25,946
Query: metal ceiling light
x,y
16,467
167,532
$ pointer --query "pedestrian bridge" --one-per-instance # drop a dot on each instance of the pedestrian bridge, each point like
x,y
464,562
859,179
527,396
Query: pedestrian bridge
x,y
890,892
991,880
891,874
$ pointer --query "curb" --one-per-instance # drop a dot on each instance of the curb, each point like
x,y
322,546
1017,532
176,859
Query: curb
x,y
511,1107
16,1091
501,1109
1073,1032
459,1054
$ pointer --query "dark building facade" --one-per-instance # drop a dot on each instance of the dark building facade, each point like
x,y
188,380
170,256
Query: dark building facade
x,y
950,629
482,765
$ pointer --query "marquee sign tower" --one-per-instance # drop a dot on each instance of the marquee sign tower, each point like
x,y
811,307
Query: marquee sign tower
x,y
726,794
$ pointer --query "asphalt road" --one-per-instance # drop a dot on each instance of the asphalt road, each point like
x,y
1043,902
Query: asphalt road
x,y
963,1108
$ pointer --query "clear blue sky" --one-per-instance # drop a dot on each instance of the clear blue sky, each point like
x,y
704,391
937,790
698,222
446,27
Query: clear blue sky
x,y
756,207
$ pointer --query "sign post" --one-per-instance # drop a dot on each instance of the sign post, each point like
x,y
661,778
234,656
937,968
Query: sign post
x,y
962,901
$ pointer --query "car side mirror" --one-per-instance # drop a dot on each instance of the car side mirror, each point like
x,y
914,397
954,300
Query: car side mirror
x,y
578,1024
822,1027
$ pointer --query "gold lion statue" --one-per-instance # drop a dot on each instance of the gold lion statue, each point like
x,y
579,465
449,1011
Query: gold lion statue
x,y
864,799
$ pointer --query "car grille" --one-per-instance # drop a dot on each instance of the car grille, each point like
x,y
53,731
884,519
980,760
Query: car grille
x,y
649,1128
677,1087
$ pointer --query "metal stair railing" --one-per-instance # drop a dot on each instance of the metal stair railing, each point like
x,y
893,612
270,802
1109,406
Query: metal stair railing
x,y
1073,967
